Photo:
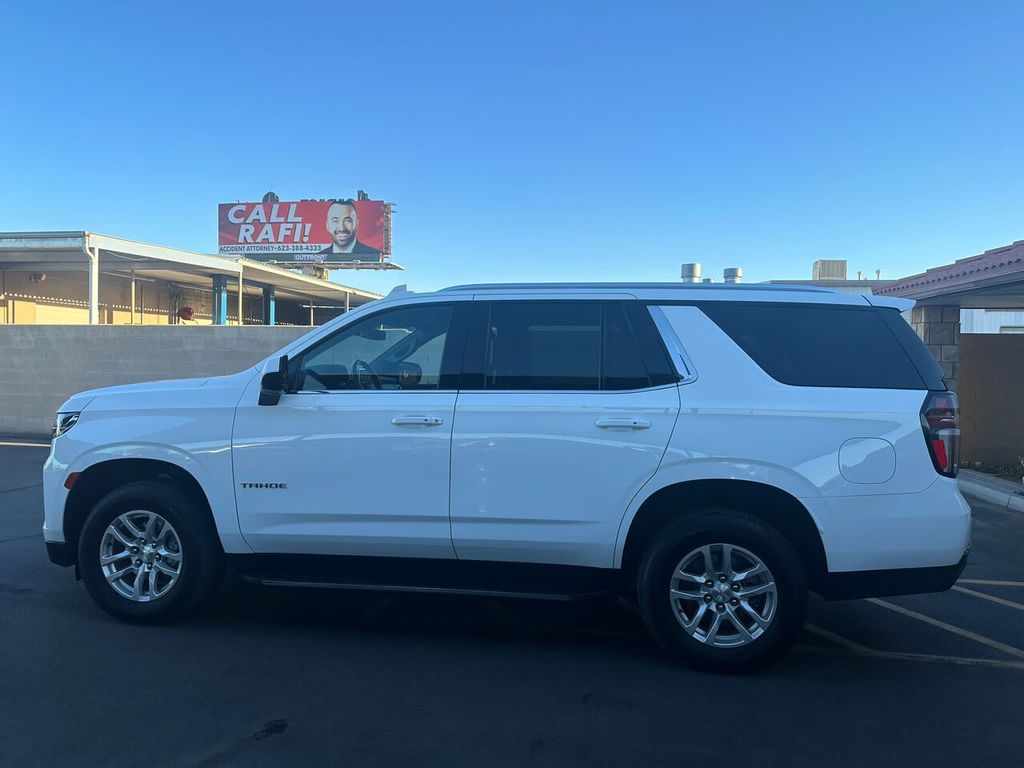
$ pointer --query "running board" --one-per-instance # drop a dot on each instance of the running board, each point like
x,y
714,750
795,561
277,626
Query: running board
x,y
431,577
467,591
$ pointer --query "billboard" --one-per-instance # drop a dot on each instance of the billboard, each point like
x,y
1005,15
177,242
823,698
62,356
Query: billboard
x,y
318,231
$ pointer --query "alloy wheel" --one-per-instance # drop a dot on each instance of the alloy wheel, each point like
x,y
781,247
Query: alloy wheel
x,y
723,596
141,556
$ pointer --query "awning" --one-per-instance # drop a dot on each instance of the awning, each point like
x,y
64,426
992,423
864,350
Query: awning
x,y
72,252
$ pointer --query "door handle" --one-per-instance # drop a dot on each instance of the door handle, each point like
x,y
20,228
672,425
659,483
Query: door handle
x,y
622,424
417,421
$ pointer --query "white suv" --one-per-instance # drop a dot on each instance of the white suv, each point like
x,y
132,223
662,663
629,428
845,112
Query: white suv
x,y
712,452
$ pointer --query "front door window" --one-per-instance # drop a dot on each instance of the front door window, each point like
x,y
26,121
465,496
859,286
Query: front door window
x,y
400,349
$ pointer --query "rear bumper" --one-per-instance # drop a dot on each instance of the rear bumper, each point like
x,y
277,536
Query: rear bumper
x,y
850,585
60,553
894,531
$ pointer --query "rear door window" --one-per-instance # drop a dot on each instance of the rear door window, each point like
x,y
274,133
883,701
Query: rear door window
x,y
815,345
537,345
623,363
564,346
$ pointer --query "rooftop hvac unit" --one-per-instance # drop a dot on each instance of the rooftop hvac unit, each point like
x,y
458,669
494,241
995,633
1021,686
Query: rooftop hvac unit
x,y
829,269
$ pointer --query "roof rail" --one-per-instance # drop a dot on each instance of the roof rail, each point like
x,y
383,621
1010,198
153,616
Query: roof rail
x,y
774,287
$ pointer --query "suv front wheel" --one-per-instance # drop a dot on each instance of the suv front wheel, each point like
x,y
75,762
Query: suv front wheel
x,y
722,589
148,553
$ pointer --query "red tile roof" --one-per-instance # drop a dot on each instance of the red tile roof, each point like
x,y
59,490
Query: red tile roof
x,y
993,263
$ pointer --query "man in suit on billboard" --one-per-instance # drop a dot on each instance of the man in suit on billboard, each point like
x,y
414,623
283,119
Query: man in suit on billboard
x,y
342,224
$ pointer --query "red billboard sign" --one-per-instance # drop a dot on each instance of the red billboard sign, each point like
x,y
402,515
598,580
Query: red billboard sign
x,y
320,231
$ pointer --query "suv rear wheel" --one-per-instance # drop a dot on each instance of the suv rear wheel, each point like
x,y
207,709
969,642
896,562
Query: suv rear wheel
x,y
148,553
722,589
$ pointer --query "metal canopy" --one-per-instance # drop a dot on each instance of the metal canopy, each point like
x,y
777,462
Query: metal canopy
x,y
75,252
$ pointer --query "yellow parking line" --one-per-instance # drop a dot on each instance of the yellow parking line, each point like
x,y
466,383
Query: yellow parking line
x,y
993,598
991,582
1007,649
862,650
25,445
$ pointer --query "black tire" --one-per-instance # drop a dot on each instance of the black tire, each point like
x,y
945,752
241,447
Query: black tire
x,y
676,540
202,557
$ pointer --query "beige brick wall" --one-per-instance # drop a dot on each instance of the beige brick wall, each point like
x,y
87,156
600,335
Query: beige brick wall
x,y
41,365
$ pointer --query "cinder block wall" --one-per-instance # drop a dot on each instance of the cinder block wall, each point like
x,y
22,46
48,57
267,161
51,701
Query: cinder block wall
x,y
939,328
991,384
41,365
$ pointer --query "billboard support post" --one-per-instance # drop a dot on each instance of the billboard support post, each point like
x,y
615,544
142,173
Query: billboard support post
x,y
241,293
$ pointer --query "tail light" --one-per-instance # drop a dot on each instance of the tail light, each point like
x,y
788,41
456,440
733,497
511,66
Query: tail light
x,y
940,420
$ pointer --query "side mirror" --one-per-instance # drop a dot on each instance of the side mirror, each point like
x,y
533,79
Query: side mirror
x,y
273,383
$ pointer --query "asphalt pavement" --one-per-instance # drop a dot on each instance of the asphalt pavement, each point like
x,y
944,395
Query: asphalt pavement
x,y
268,677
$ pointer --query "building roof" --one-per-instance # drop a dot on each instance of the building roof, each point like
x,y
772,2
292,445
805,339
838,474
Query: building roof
x,y
834,284
66,251
994,278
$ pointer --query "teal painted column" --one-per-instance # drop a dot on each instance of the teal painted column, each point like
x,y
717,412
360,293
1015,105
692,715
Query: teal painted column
x,y
220,299
269,305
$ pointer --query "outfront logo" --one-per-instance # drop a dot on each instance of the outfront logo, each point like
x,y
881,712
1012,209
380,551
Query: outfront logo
x,y
265,486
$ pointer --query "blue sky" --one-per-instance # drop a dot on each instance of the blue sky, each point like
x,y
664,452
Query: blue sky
x,y
531,140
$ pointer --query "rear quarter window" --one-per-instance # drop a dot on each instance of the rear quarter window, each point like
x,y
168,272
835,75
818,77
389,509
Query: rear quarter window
x,y
814,345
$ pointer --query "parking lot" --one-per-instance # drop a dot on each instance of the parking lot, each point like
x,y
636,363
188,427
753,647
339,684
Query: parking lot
x,y
288,677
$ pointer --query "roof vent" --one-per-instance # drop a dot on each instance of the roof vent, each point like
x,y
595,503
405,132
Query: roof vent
x,y
690,272
732,274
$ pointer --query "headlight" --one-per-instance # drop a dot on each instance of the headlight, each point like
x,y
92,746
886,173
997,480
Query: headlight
x,y
65,421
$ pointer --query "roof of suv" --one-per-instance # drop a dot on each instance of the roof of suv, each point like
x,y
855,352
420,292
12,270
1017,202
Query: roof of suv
x,y
689,292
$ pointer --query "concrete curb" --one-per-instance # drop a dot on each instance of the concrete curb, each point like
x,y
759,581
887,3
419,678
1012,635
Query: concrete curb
x,y
1012,501
26,437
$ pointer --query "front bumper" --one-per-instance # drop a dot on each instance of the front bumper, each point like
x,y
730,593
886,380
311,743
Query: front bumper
x,y
850,585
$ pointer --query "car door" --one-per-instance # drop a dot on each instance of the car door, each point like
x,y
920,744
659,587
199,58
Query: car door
x,y
566,411
355,459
